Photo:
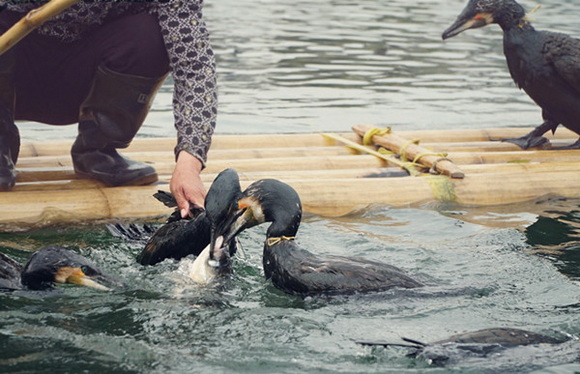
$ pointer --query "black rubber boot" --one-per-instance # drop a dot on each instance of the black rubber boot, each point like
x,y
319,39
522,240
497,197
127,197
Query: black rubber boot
x,y
9,136
109,118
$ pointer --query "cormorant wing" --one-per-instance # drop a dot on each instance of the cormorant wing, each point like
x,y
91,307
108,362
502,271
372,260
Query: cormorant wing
x,y
10,271
137,233
166,198
335,274
563,52
176,240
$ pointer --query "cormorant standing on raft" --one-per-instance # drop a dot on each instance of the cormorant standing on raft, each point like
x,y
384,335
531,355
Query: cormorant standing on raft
x,y
179,238
296,270
49,265
546,65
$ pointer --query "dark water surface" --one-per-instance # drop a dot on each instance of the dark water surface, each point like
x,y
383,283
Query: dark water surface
x,y
298,66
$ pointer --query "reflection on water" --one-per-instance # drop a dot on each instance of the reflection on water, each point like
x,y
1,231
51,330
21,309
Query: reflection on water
x,y
298,66
477,277
304,67
556,235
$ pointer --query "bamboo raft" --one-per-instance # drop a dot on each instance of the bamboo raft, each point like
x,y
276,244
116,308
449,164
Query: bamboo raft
x,y
333,173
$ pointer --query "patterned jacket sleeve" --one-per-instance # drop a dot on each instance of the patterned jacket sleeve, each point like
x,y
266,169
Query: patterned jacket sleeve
x,y
194,74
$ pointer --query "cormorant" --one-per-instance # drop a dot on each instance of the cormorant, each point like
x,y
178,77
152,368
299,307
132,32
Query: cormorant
x,y
178,237
296,270
49,265
546,65
481,343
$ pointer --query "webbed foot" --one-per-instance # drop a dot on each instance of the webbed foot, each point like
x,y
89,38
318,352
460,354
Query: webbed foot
x,y
527,141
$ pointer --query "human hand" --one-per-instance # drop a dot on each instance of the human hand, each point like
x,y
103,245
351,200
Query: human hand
x,y
186,185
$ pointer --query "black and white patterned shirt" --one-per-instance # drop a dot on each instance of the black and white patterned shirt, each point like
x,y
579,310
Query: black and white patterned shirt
x,y
186,37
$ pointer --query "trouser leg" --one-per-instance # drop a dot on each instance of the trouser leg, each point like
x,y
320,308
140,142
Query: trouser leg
x,y
9,135
105,81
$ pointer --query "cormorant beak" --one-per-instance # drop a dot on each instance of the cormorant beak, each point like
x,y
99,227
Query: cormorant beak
x,y
219,256
465,23
225,232
74,275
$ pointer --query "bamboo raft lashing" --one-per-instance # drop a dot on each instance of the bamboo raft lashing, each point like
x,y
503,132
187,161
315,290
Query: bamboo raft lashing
x,y
332,175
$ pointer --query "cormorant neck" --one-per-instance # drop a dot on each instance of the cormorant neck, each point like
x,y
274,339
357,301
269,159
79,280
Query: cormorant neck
x,y
284,225
511,15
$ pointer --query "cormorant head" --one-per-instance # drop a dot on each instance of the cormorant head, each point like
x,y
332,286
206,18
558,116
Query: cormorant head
x,y
479,13
221,202
266,200
54,264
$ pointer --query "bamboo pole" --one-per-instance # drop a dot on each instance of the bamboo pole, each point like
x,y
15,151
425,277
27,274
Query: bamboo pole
x,y
480,138
330,197
331,180
460,155
408,166
65,178
31,21
242,165
481,135
46,179
414,152
492,158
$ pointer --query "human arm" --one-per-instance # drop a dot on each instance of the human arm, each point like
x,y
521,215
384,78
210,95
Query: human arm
x,y
186,185
195,96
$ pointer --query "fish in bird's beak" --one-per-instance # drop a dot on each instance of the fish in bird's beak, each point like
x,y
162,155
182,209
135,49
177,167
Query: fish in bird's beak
x,y
213,262
237,221
78,276
468,19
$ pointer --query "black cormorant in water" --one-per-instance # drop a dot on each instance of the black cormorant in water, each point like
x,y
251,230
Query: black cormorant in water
x,y
480,343
296,270
546,65
49,265
178,237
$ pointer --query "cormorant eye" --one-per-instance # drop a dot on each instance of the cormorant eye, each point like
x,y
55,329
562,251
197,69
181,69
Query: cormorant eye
x,y
87,270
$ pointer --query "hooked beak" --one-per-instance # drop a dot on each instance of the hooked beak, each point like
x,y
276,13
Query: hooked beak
x,y
462,24
222,234
218,254
77,276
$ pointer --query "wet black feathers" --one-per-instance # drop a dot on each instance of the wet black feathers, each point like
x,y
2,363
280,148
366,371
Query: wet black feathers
x,y
10,271
181,237
298,271
40,269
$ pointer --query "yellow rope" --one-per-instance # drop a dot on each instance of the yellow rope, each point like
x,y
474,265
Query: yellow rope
x,y
405,164
368,136
384,154
433,169
385,151
276,240
403,150
442,188
420,155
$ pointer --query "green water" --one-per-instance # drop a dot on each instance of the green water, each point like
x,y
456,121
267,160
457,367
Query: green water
x,y
302,66
477,277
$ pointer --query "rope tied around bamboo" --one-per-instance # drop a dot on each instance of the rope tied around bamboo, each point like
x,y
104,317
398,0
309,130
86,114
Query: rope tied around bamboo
x,y
438,163
409,166
368,136
405,164
386,155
